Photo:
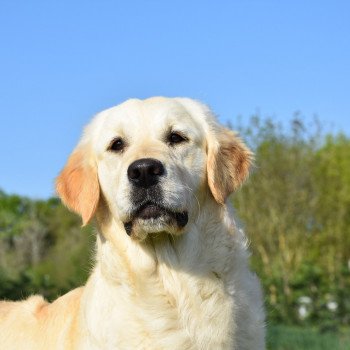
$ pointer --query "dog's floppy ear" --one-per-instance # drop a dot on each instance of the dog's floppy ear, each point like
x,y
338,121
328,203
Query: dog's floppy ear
x,y
77,185
228,163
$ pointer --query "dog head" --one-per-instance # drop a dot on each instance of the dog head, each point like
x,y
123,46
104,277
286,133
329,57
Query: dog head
x,y
152,163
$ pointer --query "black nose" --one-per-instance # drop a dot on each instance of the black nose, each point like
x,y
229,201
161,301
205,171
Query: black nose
x,y
145,172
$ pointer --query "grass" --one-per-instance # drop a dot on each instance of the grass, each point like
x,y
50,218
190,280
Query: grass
x,y
297,338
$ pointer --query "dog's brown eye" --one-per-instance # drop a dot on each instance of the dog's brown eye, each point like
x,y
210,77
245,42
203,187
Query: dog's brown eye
x,y
175,137
117,145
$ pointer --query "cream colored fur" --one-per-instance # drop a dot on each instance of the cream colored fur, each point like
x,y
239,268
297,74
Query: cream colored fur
x,y
162,287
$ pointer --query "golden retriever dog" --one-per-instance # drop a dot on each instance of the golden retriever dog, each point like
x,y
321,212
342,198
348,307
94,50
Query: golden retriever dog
x,y
171,267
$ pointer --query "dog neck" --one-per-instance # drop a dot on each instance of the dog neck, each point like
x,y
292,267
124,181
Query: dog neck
x,y
180,277
117,253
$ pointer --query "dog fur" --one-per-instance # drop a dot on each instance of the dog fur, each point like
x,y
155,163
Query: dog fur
x,y
163,285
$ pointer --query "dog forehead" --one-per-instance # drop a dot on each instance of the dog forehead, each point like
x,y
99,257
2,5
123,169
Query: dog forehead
x,y
152,118
148,116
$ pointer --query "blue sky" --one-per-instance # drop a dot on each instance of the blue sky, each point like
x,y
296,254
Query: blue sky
x,y
61,62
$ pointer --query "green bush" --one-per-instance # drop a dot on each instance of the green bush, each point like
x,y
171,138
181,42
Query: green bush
x,y
43,249
296,212
295,209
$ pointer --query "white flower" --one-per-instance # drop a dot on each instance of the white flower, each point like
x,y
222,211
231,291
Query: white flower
x,y
303,312
305,300
332,305
304,306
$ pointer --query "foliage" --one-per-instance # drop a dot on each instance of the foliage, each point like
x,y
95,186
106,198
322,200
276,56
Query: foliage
x,y
295,209
296,212
42,248
297,338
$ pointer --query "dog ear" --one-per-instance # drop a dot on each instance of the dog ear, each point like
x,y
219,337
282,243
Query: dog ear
x,y
228,163
78,187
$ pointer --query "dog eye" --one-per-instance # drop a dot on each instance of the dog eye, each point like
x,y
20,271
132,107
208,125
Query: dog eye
x,y
116,145
175,137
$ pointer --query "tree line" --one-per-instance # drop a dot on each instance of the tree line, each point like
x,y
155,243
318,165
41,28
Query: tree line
x,y
295,209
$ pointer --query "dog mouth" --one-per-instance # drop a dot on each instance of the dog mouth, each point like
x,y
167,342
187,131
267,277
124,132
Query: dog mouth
x,y
151,212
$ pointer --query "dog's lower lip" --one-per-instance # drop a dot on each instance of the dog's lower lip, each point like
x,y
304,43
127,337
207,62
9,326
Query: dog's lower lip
x,y
128,228
150,211
182,218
